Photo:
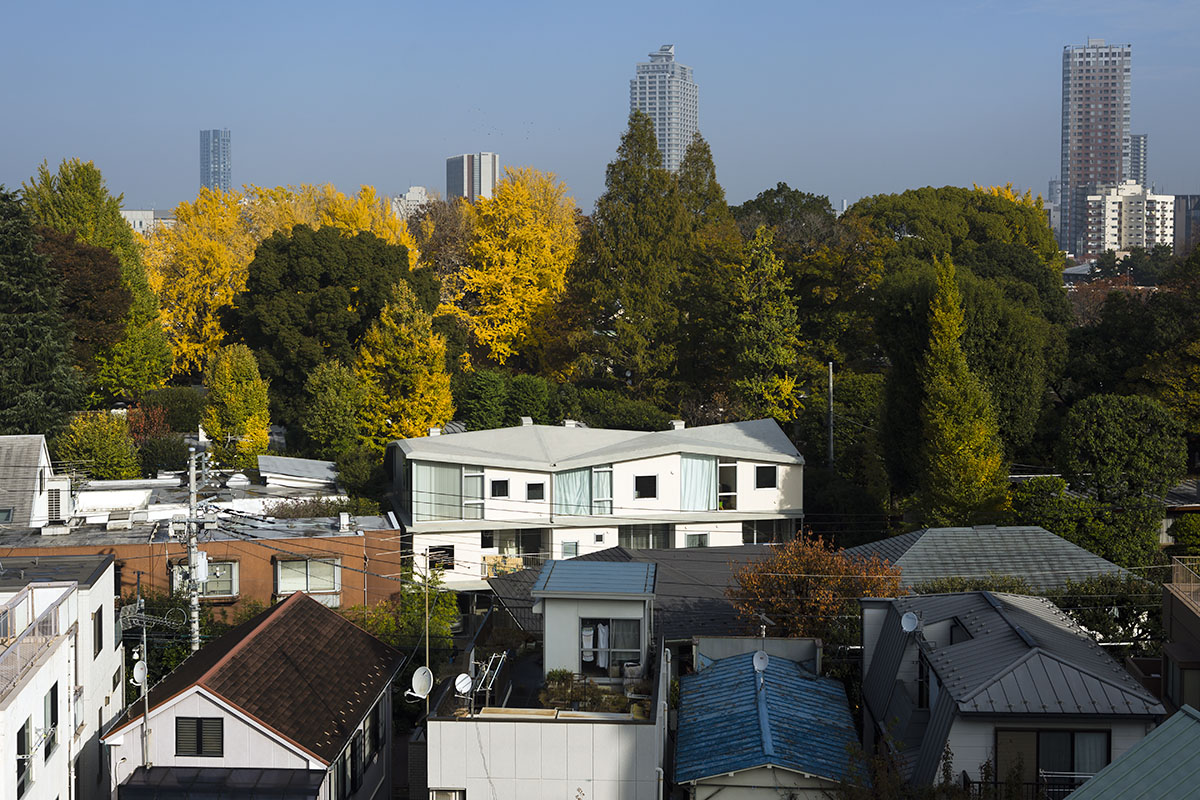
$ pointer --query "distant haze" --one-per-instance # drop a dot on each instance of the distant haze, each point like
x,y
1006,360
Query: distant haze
x,y
844,100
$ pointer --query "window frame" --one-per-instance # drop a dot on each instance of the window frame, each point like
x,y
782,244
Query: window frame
x,y
97,633
440,557
610,650
472,501
50,722
204,730
575,549
541,492
640,492
24,742
727,498
498,488
700,539
337,576
758,473
177,582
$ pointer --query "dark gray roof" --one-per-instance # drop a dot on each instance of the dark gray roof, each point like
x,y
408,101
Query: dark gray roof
x,y
19,459
1185,493
1163,766
689,588
205,783
576,578
16,572
1043,559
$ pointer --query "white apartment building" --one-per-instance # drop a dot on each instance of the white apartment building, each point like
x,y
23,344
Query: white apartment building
x,y
487,502
663,90
1127,215
61,677
405,205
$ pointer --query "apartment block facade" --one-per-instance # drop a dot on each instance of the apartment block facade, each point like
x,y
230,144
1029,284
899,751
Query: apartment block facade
x,y
216,171
471,176
1126,216
663,90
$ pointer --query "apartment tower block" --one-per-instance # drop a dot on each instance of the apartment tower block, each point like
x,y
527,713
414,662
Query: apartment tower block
x,y
663,90
215,163
472,175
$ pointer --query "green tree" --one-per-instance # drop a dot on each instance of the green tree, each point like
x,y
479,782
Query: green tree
x,y
402,368
528,396
608,408
627,273
336,284
182,407
39,384
75,200
236,416
1122,611
965,475
100,443
334,409
1121,447
481,397
1185,531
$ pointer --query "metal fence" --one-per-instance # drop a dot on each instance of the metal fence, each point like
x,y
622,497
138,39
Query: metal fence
x,y
23,636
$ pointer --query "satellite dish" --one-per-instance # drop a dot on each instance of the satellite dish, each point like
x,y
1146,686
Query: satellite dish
x,y
909,622
761,659
463,683
139,673
422,683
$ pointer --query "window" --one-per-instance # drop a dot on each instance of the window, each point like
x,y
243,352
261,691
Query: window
x,y
768,531
437,491
472,492
487,539
535,491
766,476
97,632
24,760
605,645
200,736
645,487
646,537
922,682
695,540
375,731
6,515
726,484
315,576
222,579
442,557
499,488
602,499
50,721
599,538
447,794
584,491
570,549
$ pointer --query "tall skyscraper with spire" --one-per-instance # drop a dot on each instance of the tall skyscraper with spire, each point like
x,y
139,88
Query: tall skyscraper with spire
x,y
215,162
663,89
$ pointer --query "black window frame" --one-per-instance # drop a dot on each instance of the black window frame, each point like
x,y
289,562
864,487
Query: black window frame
x,y
51,722
760,470
541,491
640,490
487,540
208,733
97,633
498,488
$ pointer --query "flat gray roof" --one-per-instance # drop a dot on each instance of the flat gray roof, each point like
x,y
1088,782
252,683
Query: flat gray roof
x,y
575,578
309,468
16,572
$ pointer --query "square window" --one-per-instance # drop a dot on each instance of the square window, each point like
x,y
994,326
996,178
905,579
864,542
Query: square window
x,y
535,491
487,539
645,486
499,488
766,477
599,538
570,549
200,736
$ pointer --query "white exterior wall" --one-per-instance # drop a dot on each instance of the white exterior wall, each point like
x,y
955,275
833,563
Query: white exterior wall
x,y
561,648
101,702
765,784
720,534
515,506
551,760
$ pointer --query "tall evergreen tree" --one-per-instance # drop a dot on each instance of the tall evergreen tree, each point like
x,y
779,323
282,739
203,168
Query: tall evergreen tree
x,y
627,274
964,477
39,385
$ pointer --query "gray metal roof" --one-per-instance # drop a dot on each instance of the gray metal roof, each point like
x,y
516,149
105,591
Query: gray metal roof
x,y
1043,559
549,448
17,571
19,459
1163,766
585,578
309,468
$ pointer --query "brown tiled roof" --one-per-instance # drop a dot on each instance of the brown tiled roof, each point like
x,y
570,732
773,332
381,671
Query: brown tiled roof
x,y
298,668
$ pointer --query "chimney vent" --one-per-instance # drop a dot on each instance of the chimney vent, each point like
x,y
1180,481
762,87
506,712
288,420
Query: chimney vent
x,y
526,422
570,423
678,424
343,522
435,431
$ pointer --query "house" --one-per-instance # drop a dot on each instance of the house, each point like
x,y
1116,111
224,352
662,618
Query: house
x,y
484,502
61,675
1042,559
1181,628
31,495
1163,766
1001,679
759,726
295,697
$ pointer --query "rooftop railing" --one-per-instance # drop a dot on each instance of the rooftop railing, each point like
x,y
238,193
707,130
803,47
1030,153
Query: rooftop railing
x,y
25,635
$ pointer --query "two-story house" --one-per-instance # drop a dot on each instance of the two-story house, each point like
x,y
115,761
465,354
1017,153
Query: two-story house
x,y
485,502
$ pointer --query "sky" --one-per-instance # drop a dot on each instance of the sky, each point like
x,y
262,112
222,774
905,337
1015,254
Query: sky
x,y
841,99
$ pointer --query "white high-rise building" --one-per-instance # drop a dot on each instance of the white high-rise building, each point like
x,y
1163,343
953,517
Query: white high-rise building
x,y
472,175
1126,216
664,91
1138,150
405,205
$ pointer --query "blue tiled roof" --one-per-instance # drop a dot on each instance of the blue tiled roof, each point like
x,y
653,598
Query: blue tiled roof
x,y
797,721
572,578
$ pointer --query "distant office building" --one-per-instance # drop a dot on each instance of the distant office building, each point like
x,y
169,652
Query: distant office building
x,y
472,175
404,205
1126,216
147,220
1187,223
215,163
1138,144
1053,205
1095,130
663,89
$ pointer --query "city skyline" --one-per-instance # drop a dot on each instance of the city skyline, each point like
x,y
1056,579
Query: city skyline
x,y
878,100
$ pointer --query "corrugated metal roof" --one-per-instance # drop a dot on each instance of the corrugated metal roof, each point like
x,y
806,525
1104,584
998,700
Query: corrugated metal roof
x,y
1163,766
550,447
574,578
797,720
1043,559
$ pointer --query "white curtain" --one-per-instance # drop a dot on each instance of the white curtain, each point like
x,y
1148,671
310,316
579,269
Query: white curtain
x,y
1091,751
602,646
437,491
698,483
572,492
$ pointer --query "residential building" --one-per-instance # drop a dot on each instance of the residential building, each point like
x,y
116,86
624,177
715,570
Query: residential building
x,y
663,90
147,220
31,494
216,163
1138,151
1181,629
61,675
1035,555
1095,130
483,502
295,698
1187,223
1163,766
1001,679
471,176
758,726
405,205
1126,216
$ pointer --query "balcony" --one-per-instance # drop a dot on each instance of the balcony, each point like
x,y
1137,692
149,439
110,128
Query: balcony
x,y
26,634
1185,581
1048,786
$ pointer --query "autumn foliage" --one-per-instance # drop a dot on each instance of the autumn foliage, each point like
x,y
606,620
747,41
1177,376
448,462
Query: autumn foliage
x,y
807,587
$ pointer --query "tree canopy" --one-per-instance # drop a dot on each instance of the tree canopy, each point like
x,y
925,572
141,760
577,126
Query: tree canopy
x,y
236,417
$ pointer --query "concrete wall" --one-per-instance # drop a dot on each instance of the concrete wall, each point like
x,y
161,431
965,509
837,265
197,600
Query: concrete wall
x,y
765,784
26,701
562,616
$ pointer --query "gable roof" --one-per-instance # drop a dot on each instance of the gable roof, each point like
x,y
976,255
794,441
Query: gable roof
x,y
689,588
19,459
1043,559
796,720
1163,766
549,448
586,578
298,668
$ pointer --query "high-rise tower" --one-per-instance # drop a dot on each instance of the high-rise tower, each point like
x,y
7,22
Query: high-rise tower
x,y
665,92
1095,130
472,175
1138,147
215,164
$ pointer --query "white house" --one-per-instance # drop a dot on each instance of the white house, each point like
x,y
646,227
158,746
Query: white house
x,y
486,502
60,675
31,495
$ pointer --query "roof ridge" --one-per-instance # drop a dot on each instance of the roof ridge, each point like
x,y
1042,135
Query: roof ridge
x,y
275,613
764,717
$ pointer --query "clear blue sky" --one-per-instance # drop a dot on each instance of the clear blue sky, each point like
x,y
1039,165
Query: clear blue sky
x,y
841,99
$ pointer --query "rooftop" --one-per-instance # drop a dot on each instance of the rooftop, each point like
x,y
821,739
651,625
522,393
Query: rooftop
x,y
17,572
584,578
204,783
1163,766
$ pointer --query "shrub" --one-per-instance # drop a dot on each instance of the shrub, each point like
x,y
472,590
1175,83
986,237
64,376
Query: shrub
x,y
167,452
322,507
182,406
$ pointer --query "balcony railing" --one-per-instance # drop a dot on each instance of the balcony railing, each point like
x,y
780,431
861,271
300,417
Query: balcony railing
x,y
505,563
1185,579
23,636
1049,786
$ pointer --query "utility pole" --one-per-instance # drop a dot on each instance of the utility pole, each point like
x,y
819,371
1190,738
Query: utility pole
x,y
193,555
146,680
427,622
829,415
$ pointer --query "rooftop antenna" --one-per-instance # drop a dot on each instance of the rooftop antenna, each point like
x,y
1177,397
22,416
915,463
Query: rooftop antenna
x,y
761,660
910,622
422,684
